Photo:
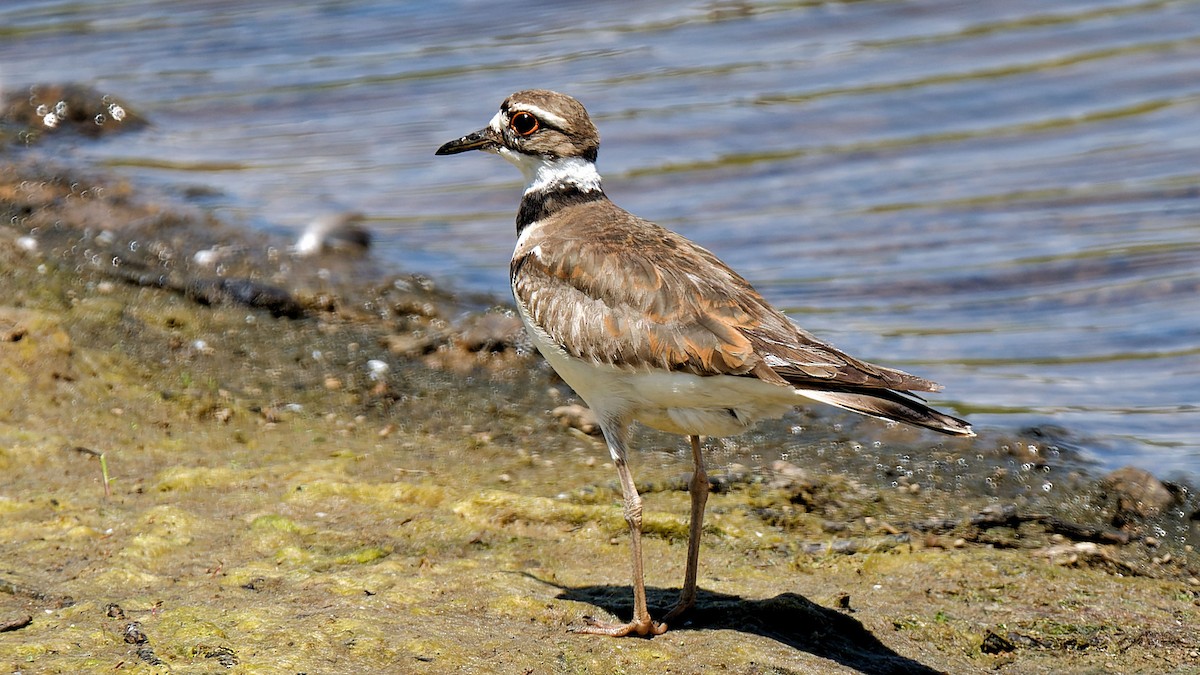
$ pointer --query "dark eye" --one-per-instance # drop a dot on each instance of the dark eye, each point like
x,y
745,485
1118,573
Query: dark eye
x,y
524,124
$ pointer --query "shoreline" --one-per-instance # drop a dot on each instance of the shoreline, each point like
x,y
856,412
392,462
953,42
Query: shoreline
x,y
277,499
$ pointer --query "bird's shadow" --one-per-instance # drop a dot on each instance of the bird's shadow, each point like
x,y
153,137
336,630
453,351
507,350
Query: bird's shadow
x,y
787,618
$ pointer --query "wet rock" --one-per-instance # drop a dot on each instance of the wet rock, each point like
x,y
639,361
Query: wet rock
x,y
734,474
30,114
994,644
245,292
1136,493
15,622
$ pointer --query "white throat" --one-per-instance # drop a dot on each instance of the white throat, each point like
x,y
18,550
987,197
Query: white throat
x,y
541,173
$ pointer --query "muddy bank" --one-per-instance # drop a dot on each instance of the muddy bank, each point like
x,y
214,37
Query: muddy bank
x,y
244,462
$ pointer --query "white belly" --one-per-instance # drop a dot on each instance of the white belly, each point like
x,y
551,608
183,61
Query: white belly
x,y
675,402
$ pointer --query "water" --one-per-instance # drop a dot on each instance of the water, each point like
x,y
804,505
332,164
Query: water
x,y
1001,196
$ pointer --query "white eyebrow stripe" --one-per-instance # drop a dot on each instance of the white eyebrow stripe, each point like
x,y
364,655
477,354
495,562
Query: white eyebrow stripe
x,y
544,115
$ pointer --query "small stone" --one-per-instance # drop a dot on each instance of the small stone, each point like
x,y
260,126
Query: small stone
x,y
413,344
575,416
491,332
1137,492
332,383
994,644
788,476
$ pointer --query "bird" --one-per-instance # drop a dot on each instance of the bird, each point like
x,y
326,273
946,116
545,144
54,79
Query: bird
x,y
647,326
342,232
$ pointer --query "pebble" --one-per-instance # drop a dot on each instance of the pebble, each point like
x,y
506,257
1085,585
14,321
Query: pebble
x,y
788,476
579,417
492,332
377,369
1137,492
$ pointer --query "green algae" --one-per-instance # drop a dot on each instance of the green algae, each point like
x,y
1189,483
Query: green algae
x,y
276,511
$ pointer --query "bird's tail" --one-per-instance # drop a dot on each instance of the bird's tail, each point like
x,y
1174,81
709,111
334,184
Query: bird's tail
x,y
891,405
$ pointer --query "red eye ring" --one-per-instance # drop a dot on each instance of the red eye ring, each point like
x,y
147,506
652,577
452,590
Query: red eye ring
x,y
524,124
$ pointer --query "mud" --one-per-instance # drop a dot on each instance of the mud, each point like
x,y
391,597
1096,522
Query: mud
x,y
383,478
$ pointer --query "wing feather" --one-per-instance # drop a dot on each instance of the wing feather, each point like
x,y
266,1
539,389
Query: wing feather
x,y
610,288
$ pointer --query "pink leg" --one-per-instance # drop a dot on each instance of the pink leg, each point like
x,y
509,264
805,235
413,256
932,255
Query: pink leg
x,y
641,624
699,492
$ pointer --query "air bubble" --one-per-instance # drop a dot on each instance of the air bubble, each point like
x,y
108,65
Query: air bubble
x,y
117,112
1047,486
100,120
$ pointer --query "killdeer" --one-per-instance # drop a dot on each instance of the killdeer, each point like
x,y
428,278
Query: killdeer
x,y
645,325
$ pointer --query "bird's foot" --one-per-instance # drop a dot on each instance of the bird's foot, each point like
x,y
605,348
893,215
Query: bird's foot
x,y
682,607
646,626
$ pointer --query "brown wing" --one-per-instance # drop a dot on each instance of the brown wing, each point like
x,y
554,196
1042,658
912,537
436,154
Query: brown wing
x,y
611,288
